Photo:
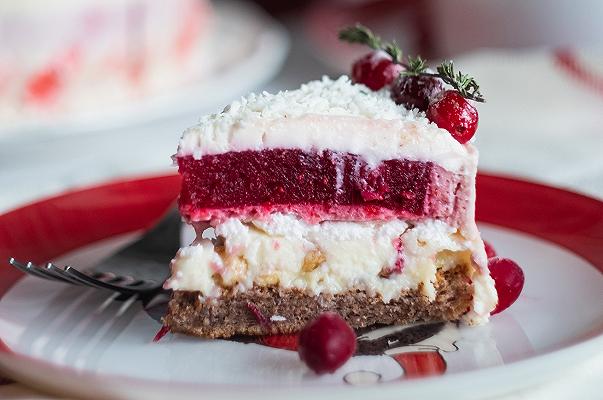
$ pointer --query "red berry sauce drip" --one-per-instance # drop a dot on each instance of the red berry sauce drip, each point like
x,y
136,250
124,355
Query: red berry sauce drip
x,y
508,280
375,70
259,316
398,266
451,111
285,342
399,246
326,343
416,91
161,333
490,252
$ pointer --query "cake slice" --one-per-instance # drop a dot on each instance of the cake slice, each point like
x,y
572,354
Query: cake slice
x,y
328,197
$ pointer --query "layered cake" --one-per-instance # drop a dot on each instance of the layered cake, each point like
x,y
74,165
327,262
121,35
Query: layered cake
x,y
69,56
331,197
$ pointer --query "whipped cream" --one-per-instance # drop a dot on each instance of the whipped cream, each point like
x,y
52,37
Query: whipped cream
x,y
330,257
334,115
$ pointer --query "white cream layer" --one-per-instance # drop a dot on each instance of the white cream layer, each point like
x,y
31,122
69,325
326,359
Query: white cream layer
x,y
331,115
348,255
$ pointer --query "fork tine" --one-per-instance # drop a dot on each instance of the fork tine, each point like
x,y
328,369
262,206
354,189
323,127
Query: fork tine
x,y
53,270
43,272
125,285
115,280
142,285
28,269
121,282
87,280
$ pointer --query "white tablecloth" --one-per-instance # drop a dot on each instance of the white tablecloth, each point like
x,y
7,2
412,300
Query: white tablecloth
x,y
540,122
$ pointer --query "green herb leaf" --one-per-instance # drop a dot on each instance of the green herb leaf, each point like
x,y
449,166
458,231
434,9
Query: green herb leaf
x,y
360,34
394,51
416,66
465,84
363,35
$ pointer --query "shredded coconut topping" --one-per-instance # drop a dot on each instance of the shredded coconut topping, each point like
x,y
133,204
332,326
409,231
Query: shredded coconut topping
x,y
322,115
324,97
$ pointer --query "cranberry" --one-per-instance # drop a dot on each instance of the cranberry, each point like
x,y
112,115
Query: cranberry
x,y
508,280
326,343
375,70
451,111
490,252
416,91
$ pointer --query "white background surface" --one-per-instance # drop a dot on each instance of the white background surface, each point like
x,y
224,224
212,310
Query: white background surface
x,y
539,123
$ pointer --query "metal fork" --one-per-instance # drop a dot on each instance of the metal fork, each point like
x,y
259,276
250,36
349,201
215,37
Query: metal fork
x,y
139,269
101,280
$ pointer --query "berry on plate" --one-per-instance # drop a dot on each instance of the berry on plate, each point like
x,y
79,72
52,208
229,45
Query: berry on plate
x,y
326,343
490,251
508,280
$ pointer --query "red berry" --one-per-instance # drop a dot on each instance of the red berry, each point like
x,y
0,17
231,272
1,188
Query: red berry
x,y
508,280
326,343
451,111
416,91
375,70
490,252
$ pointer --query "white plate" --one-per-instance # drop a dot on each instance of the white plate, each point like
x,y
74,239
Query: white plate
x,y
81,342
247,49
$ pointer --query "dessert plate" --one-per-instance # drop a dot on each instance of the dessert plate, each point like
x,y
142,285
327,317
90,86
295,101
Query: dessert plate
x,y
79,342
244,41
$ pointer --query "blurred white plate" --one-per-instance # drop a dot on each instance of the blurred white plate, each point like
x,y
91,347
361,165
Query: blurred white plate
x,y
248,49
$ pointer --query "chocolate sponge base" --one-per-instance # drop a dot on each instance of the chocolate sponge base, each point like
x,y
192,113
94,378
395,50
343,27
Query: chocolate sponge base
x,y
291,309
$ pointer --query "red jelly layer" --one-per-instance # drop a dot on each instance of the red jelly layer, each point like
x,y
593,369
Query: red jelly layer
x,y
317,186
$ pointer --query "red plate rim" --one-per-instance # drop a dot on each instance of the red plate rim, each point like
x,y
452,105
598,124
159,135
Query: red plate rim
x,y
47,228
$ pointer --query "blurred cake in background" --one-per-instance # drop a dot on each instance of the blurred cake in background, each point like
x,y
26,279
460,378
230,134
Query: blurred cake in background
x,y
62,56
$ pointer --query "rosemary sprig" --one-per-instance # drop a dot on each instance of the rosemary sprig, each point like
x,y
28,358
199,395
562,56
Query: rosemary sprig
x,y
415,66
363,35
394,51
360,34
465,84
